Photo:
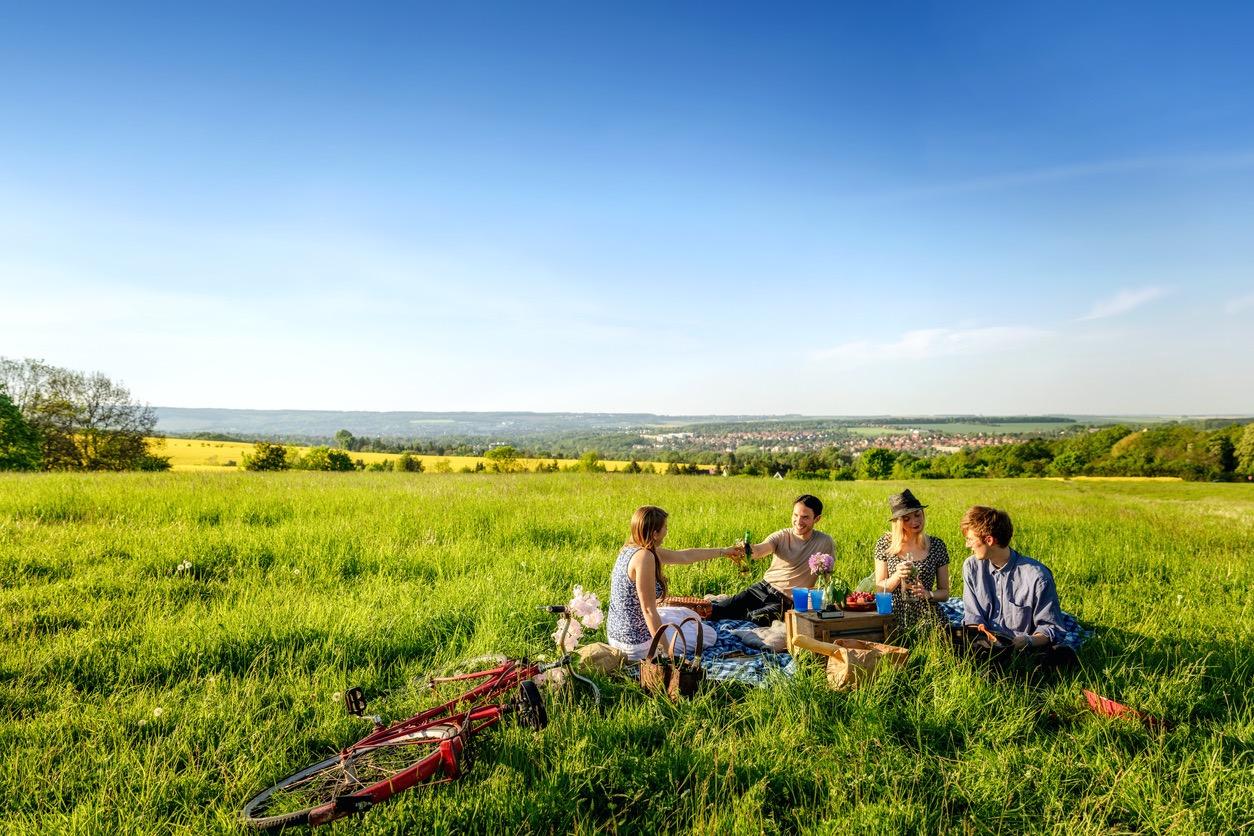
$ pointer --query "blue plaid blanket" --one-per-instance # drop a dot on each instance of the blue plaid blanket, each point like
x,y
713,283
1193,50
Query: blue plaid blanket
x,y
731,659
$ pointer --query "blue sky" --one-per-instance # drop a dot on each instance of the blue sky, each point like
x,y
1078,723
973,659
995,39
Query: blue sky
x,y
721,208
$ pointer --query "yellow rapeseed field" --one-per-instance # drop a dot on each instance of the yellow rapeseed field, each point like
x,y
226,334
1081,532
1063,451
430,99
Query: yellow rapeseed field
x,y
194,454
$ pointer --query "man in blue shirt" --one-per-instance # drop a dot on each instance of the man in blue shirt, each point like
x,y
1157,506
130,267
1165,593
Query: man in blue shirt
x,y
1010,604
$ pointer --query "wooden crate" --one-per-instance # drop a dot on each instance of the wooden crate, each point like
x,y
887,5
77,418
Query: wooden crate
x,y
870,626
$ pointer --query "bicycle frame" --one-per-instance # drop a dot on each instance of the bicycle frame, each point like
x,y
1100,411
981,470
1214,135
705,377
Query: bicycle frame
x,y
450,740
446,728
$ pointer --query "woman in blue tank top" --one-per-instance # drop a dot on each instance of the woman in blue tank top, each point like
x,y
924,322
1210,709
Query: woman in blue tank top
x,y
637,584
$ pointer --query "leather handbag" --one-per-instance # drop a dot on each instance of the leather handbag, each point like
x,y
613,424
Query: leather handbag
x,y
674,675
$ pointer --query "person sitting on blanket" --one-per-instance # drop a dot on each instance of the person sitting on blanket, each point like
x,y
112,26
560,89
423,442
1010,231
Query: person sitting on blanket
x,y
909,563
1010,604
767,599
637,585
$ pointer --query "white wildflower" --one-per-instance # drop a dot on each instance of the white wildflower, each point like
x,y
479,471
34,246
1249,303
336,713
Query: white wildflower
x,y
587,608
593,620
573,631
553,677
157,712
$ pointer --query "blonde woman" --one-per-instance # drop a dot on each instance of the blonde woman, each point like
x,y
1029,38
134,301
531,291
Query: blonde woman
x,y
912,565
637,583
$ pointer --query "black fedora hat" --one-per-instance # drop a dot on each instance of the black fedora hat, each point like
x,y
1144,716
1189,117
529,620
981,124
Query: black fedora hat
x,y
903,503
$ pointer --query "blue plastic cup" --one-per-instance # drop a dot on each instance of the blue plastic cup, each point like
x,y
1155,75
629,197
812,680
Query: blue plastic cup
x,y
884,603
816,599
800,598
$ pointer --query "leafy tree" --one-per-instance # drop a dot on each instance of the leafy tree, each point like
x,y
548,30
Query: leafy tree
x,y
19,442
1068,463
590,462
1244,452
876,463
504,459
84,421
344,439
442,466
408,463
267,456
325,458
633,466
1223,452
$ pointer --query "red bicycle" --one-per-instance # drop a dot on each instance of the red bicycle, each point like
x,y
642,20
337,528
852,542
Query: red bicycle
x,y
424,749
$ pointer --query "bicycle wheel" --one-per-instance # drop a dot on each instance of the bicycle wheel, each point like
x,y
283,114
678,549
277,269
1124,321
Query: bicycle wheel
x,y
289,802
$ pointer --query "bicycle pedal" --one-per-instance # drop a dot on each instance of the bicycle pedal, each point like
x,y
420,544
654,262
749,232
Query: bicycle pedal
x,y
352,804
355,701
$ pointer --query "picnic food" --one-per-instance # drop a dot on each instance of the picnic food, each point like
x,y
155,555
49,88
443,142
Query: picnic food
x,y
860,601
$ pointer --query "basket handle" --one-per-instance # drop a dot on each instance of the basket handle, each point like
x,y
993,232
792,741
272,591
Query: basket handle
x,y
700,638
657,639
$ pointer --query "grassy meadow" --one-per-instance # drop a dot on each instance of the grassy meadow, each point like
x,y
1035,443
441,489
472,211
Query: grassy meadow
x,y
136,696
192,454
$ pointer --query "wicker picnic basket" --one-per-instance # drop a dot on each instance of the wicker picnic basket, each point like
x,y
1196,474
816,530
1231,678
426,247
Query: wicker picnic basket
x,y
700,606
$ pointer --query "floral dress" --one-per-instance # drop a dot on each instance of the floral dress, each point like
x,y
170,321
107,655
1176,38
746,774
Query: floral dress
x,y
912,611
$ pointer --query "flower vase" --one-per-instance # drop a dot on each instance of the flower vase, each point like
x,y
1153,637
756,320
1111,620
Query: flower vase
x,y
836,591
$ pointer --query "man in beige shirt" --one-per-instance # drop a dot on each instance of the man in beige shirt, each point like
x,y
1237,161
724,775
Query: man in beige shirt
x,y
767,599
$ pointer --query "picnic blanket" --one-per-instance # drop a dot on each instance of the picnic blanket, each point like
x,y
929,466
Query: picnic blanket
x,y
1075,634
732,660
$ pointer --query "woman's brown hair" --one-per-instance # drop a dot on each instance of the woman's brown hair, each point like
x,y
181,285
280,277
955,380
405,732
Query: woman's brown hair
x,y
646,524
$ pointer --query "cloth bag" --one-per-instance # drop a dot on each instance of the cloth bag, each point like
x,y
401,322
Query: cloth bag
x,y
674,675
852,662
600,657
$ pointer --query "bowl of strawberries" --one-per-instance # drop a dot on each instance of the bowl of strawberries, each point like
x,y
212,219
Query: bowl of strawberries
x,y
860,601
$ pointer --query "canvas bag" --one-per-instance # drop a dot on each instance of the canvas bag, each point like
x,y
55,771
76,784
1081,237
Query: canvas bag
x,y
673,675
600,657
852,662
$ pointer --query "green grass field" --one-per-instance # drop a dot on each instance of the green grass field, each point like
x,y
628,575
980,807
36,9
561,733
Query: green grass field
x,y
135,697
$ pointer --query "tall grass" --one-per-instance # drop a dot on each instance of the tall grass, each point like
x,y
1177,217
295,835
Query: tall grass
x,y
138,697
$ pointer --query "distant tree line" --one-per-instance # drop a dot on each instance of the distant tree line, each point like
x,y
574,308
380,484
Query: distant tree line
x,y
59,419
1189,452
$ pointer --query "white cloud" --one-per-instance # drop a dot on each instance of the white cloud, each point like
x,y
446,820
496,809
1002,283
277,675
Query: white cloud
x,y
930,343
1123,301
1239,304
1237,161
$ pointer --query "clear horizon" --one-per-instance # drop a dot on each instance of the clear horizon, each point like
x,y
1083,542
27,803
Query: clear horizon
x,y
695,211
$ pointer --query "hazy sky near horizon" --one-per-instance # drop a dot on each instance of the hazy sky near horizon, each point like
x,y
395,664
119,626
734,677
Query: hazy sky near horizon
x,y
687,209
